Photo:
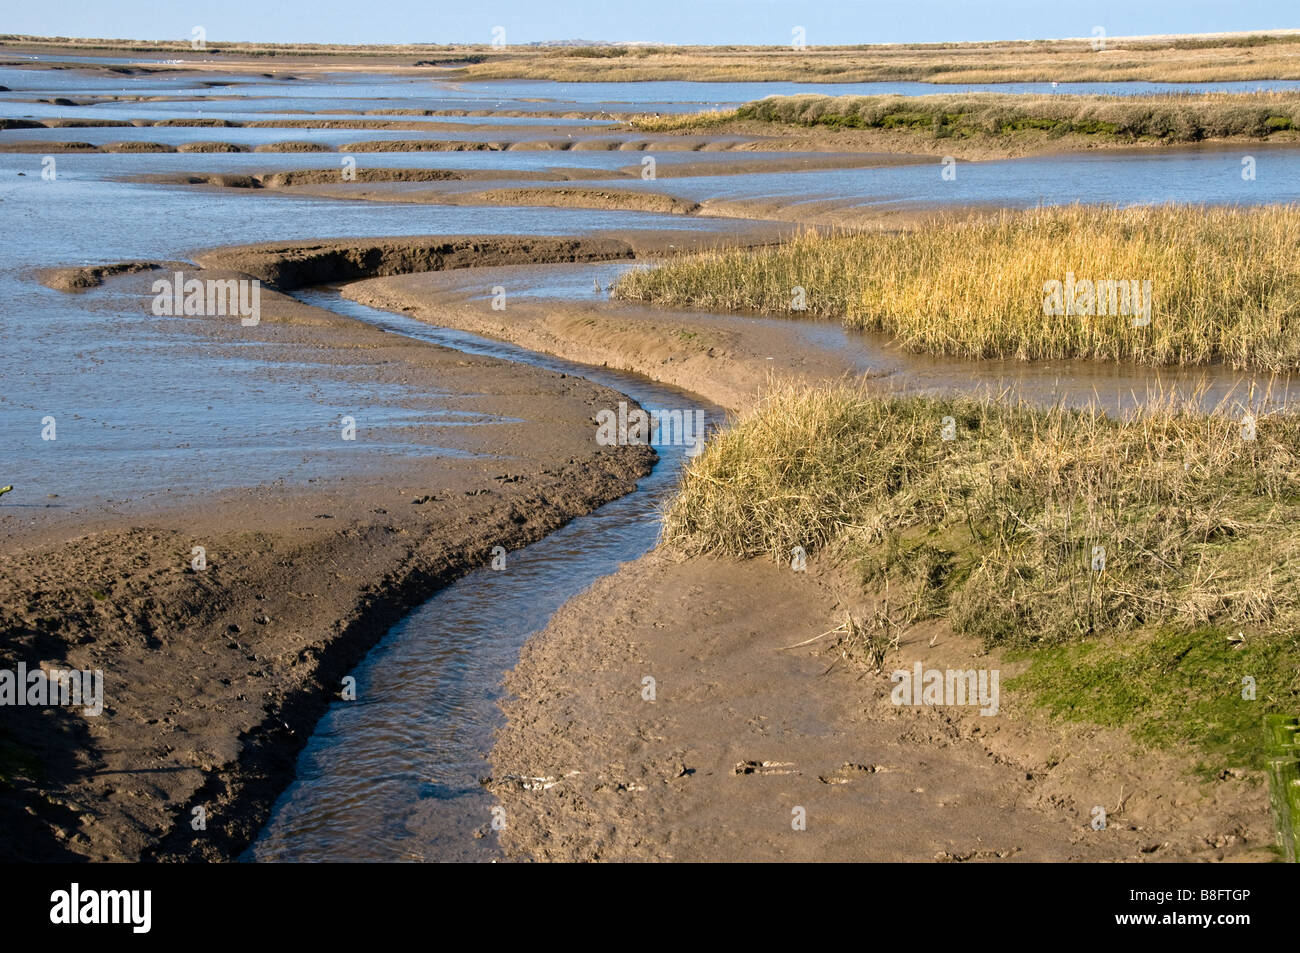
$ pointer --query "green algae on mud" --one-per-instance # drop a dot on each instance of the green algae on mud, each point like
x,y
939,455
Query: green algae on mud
x,y
1203,689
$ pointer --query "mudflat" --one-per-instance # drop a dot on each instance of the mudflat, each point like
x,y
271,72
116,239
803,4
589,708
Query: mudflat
x,y
214,677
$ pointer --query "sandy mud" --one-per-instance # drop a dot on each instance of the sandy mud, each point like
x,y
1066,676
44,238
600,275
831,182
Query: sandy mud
x,y
737,738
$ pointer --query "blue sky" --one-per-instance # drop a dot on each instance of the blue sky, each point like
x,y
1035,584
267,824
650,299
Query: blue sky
x,y
663,21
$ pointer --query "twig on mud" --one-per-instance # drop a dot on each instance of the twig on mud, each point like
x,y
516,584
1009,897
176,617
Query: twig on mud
x,y
838,628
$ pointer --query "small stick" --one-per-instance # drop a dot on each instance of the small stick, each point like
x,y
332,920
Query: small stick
x,y
838,628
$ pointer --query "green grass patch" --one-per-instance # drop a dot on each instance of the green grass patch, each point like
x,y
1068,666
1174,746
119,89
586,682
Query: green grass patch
x,y
1172,689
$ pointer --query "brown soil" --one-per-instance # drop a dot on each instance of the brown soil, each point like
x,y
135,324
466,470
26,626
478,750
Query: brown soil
x,y
92,276
297,177
724,358
422,145
210,147
84,123
51,148
577,143
291,147
389,185
329,183
47,148
137,146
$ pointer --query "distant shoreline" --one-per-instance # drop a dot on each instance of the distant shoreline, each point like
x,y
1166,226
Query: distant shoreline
x,y
1256,55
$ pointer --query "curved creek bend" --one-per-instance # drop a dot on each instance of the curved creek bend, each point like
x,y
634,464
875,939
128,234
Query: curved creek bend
x,y
394,775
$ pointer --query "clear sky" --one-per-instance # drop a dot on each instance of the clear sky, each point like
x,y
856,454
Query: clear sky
x,y
663,21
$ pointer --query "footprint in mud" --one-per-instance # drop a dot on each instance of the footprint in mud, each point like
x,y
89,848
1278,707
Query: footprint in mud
x,y
532,783
765,767
960,857
850,771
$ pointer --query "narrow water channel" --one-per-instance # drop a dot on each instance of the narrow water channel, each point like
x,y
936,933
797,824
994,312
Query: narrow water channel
x,y
395,774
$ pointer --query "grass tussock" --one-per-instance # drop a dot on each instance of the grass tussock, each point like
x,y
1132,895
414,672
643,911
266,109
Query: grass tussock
x,y
1127,553
1004,517
683,122
994,116
1225,284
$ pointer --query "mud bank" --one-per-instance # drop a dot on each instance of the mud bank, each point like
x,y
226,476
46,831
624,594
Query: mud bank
x,y
295,265
214,676
85,277
743,735
325,183
763,136
725,358
298,178
301,180
445,188
353,124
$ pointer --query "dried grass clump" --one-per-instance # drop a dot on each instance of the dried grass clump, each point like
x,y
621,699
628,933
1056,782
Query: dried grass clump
x,y
1225,283
999,528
